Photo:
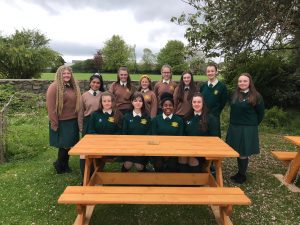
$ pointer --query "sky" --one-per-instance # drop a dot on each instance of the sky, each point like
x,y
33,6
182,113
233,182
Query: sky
x,y
78,28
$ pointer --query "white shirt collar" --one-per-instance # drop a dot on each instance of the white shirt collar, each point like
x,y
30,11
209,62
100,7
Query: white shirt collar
x,y
123,83
107,111
170,116
136,114
145,90
92,92
199,114
166,81
213,83
245,91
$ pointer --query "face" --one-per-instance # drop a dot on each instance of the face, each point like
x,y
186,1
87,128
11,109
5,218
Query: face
x,y
137,103
166,73
123,75
243,83
197,104
187,79
106,102
95,84
211,73
167,107
66,74
145,83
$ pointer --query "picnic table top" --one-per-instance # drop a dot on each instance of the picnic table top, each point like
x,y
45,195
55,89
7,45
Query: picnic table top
x,y
151,145
293,139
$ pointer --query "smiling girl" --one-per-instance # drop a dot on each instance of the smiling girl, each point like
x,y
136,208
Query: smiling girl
x,y
246,113
149,96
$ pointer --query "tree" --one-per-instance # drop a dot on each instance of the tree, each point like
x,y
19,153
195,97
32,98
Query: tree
x,y
98,60
86,66
173,54
148,61
220,27
59,61
25,54
116,53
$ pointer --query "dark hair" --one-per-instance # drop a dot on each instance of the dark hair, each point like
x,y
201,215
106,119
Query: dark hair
x,y
116,113
253,94
181,87
212,65
139,95
204,113
124,68
101,88
166,96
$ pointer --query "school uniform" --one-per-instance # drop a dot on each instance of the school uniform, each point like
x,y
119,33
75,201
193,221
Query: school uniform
x,y
242,134
161,87
122,95
163,125
215,97
185,106
150,102
136,124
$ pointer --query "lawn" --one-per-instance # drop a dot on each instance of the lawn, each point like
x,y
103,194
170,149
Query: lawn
x,y
113,77
30,188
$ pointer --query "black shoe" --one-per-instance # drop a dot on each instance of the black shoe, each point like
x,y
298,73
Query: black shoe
x,y
68,170
235,176
58,168
239,178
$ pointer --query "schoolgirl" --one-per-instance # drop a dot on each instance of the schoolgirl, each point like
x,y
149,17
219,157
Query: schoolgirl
x,y
137,122
90,102
215,93
122,90
246,113
149,96
183,94
63,105
197,123
166,123
165,85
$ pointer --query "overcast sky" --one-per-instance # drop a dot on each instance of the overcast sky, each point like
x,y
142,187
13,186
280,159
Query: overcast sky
x,y
77,28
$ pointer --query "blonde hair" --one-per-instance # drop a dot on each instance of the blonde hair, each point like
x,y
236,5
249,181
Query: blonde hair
x,y
61,88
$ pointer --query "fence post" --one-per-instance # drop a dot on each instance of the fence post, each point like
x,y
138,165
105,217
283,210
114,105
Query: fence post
x,y
3,130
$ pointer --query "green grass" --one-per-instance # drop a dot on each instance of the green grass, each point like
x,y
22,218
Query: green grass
x,y
30,188
113,77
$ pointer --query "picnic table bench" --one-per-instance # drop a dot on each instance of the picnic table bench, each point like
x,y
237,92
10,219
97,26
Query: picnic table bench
x,y
152,188
292,160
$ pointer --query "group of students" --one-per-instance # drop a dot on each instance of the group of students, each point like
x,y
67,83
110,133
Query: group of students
x,y
168,109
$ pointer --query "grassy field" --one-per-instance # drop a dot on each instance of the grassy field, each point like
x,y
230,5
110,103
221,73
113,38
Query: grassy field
x,y
30,188
113,77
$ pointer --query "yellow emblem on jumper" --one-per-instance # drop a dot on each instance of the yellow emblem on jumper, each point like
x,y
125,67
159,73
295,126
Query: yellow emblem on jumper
x,y
216,92
127,90
174,124
171,88
146,97
143,121
111,119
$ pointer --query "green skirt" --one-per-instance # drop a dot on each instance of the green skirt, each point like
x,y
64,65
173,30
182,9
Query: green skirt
x,y
67,134
86,121
243,139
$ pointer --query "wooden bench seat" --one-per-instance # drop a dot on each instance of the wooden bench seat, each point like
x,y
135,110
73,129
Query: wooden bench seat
x,y
91,195
286,157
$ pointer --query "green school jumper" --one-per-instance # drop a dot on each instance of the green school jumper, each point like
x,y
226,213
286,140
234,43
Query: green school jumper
x,y
172,127
102,123
242,134
136,126
215,99
192,126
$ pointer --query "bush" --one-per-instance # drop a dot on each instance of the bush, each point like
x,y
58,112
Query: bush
x,y
275,117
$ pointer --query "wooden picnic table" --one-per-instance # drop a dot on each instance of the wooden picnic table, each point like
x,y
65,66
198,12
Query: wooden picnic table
x,y
97,148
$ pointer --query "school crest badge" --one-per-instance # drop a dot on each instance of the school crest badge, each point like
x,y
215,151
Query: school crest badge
x,y
147,97
171,88
111,119
174,124
143,121
216,92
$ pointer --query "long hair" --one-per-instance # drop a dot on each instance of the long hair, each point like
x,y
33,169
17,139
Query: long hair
x,y
124,68
181,87
98,76
166,66
116,113
253,94
204,113
139,95
148,78
61,89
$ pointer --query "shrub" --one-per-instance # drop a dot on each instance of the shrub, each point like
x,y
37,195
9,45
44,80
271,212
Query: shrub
x,y
275,117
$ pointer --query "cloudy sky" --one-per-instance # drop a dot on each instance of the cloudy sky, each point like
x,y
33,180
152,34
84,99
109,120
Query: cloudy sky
x,y
77,28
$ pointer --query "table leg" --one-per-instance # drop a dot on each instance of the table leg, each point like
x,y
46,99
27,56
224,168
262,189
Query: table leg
x,y
87,171
293,168
219,176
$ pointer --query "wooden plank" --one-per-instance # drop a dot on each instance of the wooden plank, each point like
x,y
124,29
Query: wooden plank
x,y
291,187
153,178
293,169
152,190
88,215
190,199
284,155
293,139
216,212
